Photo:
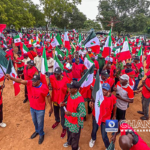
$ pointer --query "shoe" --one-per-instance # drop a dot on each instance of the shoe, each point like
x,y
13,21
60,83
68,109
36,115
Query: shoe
x,y
91,143
3,125
55,125
85,118
41,139
66,144
144,118
140,112
63,133
25,100
33,135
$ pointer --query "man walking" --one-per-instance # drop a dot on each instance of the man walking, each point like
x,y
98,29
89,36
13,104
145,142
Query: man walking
x,y
37,92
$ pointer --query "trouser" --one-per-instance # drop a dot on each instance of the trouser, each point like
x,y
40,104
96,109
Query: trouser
x,y
73,139
103,132
120,114
145,106
136,84
89,108
38,120
1,113
57,117
26,92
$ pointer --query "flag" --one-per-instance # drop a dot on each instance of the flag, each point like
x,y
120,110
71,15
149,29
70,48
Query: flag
x,y
108,46
57,63
3,63
34,43
2,27
87,78
56,41
125,53
140,43
66,41
74,31
11,70
17,40
58,52
24,49
79,40
67,53
93,42
37,38
50,36
97,95
5,44
140,54
111,146
87,61
72,50
44,68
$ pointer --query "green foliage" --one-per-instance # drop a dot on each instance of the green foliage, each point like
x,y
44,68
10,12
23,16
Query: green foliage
x,y
88,24
15,12
131,14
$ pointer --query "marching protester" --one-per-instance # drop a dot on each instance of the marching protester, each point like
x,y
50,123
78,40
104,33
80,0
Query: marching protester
x,y
37,92
74,114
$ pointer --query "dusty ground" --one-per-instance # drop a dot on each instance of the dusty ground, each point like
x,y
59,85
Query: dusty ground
x,y
16,136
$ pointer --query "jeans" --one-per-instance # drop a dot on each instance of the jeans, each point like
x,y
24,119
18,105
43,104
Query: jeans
x,y
73,139
136,84
145,106
56,114
38,120
103,132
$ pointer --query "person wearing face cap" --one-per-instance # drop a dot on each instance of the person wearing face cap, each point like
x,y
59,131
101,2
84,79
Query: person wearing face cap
x,y
107,106
137,66
124,94
29,71
37,92
145,97
59,91
74,114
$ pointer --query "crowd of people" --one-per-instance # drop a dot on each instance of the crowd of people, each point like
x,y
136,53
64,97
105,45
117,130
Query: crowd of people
x,y
120,80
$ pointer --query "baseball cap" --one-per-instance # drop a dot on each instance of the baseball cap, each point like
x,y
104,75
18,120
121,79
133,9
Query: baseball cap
x,y
74,84
106,86
36,78
137,58
105,73
30,62
125,77
57,70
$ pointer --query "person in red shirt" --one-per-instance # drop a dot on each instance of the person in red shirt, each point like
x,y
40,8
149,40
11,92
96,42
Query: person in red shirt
x,y
31,53
77,69
108,104
59,91
29,71
129,139
145,97
96,65
37,92
2,124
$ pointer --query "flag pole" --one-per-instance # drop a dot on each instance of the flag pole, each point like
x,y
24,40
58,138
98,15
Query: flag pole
x,y
2,69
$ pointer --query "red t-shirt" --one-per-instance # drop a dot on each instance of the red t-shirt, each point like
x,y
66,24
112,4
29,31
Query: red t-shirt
x,y
37,95
77,70
96,66
21,64
29,73
145,92
139,65
140,145
59,89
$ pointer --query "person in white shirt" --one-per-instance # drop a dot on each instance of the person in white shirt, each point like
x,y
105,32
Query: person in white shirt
x,y
26,58
38,61
50,63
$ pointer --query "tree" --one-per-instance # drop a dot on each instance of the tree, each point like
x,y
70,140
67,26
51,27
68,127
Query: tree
x,y
15,12
56,10
131,14
71,20
89,24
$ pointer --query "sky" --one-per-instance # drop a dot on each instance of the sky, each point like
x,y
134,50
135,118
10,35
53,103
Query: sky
x,y
88,7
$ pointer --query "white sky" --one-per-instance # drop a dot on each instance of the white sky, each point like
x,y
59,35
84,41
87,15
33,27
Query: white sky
x,y
88,7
